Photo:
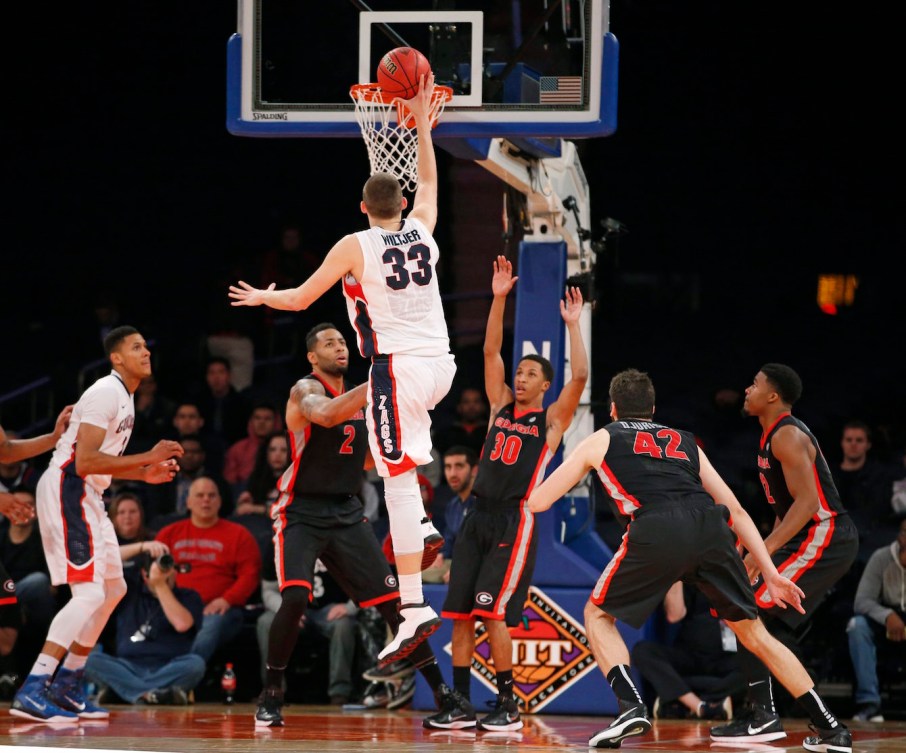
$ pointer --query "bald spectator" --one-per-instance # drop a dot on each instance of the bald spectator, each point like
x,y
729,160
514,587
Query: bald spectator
x,y
225,565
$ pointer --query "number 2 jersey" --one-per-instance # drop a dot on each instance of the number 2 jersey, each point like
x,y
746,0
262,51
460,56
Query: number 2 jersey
x,y
396,307
650,467
514,457
325,474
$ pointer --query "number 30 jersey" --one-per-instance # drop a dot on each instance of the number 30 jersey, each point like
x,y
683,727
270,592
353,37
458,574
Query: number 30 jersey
x,y
396,307
514,457
650,467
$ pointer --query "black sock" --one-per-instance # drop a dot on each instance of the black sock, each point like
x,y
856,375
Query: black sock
x,y
274,678
431,673
819,713
761,693
462,681
623,686
505,683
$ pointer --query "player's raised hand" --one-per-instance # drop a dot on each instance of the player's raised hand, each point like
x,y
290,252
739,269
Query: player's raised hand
x,y
420,104
571,305
244,294
502,282
784,592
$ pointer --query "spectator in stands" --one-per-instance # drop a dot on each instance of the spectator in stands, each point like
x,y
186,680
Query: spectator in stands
x,y
225,565
188,421
153,416
271,461
224,408
701,659
471,426
460,468
330,613
240,457
170,501
879,623
864,486
156,625
898,487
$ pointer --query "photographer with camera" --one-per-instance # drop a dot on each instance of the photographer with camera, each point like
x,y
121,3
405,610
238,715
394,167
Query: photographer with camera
x,y
156,624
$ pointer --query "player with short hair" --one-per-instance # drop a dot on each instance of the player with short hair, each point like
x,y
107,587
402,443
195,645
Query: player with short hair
x,y
319,516
389,275
683,524
494,554
80,543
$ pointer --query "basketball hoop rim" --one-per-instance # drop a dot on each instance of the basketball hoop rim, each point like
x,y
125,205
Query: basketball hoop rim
x,y
373,93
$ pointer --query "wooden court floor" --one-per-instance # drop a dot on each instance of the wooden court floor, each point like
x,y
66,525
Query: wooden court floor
x,y
207,728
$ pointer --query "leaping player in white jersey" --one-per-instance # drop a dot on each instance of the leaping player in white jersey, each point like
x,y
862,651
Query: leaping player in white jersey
x,y
393,300
80,544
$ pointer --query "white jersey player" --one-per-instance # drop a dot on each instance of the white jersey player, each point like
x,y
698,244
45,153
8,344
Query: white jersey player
x,y
79,541
389,275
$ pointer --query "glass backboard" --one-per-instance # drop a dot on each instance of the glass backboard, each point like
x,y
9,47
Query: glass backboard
x,y
531,68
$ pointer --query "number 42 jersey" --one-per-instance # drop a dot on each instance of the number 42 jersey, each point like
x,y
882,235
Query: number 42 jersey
x,y
396,308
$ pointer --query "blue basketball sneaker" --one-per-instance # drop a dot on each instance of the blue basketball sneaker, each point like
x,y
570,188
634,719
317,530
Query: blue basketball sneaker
x,y
33,702
68,692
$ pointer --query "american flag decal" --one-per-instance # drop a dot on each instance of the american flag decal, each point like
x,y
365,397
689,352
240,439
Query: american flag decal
x,y
561,90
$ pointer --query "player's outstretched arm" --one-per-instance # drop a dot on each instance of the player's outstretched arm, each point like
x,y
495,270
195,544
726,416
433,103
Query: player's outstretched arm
x,y
561,412
585,456
502,282
14,450
339,261
424,205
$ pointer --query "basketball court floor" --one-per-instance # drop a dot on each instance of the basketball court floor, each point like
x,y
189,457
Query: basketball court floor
x,y
212,727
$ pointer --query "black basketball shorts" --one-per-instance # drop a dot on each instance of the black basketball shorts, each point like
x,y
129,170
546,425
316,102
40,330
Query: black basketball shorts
x,y
660,547
493,563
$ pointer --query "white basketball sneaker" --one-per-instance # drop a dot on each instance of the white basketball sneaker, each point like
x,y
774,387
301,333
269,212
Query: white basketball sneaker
x,y
417,622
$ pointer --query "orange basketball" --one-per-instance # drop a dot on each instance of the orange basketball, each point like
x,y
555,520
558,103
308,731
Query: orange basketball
x,y
399,71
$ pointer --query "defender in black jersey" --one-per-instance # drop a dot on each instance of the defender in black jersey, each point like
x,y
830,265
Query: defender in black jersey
x,y
318,515
814,541
660,480
494,554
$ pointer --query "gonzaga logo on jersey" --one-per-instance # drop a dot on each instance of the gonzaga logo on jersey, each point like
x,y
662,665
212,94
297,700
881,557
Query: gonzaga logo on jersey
x,y
126,424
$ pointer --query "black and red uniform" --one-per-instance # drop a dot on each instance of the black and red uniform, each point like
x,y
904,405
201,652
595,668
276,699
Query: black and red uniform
x,y
10,616
494,554
676,531
318,514
824,549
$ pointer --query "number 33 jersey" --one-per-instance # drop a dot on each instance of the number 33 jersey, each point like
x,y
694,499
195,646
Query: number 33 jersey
x,y
649,466
514,457
396,307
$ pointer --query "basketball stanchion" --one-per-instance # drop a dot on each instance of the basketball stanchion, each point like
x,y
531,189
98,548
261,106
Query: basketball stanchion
x,y
388,130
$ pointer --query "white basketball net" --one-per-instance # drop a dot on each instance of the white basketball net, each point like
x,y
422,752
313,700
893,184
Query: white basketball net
x,y
388,130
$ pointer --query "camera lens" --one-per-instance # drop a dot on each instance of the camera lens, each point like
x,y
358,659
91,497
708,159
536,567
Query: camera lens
x,y
165,562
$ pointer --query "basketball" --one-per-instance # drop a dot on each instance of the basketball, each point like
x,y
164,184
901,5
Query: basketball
x,y
399,71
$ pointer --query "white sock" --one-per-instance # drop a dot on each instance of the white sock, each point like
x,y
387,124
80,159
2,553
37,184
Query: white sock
x,y
45,664
411,589
73,661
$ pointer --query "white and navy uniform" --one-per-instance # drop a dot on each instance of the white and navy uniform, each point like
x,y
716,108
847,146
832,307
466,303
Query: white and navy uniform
x,y
80,543
399,322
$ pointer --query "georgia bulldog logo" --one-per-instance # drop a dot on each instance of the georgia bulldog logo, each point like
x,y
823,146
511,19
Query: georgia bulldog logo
x,y
9,586
484,598
390,581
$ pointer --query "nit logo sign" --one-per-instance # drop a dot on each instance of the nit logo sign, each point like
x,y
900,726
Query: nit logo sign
x,y
550,653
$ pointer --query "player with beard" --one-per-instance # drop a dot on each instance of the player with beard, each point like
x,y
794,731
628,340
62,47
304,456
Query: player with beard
x,y
319,515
